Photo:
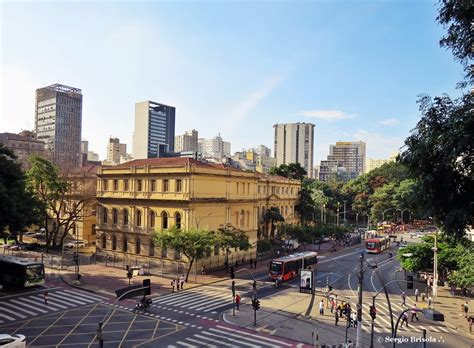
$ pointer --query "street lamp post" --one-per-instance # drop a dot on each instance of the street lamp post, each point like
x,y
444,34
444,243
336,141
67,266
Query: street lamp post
x,y
337,214
344,212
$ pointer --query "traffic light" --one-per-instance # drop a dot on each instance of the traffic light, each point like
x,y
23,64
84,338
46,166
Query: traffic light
x,y
330,288
410,282
147,284
233,288
373,312
232,273
129,274
257,305
76,258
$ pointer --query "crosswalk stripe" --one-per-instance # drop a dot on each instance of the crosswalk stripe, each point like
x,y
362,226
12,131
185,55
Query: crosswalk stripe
x,y
209,302
16,308
186,344
213,339
442,328
260,337
22,304
214,307
84,296
229,339
12,312
41,301
55,297
178,299
173,295
7,317
244,338
38,304
208,345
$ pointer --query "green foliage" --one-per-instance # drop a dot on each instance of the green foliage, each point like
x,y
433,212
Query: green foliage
x,y
19,208
463,276
291,171
273,215
439,153
264,245
421,259
228,237
192,243
456,16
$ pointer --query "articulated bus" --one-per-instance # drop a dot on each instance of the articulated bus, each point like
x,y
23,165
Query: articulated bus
x,y
288,267
377,245
16,272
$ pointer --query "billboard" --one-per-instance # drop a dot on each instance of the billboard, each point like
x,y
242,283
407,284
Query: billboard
x,y
306,281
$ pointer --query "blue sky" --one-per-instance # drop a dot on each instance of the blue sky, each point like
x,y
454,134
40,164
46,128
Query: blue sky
x,y
354,68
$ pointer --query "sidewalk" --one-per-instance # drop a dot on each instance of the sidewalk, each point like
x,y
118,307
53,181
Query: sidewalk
x,y
449,305
284,315
101,279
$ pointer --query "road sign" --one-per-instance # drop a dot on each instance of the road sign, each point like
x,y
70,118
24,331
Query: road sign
x,y
306,281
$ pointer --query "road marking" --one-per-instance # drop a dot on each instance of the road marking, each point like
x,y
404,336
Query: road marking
x,y
261,337
55,296
238,336
186,344
212,339
12,312
201,343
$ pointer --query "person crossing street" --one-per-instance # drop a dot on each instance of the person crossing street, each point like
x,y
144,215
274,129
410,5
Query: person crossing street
x,y
414,314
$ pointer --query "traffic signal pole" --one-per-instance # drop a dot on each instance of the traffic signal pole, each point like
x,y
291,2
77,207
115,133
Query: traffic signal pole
x,y
359,304
372,326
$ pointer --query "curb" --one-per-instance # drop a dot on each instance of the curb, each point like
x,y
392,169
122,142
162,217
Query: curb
x,y
76,286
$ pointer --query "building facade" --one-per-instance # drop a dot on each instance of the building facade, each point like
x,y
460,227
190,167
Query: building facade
x,y
154,130
346,161
23,145
115,150
254,161
375,163
215,149
187,142
142,197
294,143
58,122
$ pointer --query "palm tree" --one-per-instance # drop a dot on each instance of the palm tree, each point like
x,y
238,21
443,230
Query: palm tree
x,y
273,215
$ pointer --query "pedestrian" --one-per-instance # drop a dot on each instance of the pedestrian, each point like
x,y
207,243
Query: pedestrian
x,y
354,319
417,293
278,253
236,264
404,297
332,305
181,281
46,298
348,311
237,301
470,320
466,308
243,260
404,320
453,290
336,317
172,285
321,307
430,301
414,314
203,268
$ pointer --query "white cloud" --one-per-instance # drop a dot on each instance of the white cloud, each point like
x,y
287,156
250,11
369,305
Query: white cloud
x,y
389,122
378,145
327,115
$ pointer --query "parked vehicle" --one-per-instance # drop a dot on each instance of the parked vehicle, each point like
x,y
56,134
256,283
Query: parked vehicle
x,y
75,244
12,341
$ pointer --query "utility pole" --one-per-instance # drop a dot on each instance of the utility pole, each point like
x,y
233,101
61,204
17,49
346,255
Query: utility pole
x,y
337,214
435,266
359,304
345,213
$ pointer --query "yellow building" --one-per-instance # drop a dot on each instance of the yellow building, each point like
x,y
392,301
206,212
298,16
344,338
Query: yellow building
x,y
140,197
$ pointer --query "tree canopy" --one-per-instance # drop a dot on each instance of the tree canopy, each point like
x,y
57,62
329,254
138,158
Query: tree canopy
x,y
290,171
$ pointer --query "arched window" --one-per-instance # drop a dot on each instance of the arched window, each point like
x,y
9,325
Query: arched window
x,y
137,246
152,219
125,217
138,218
151,250
125,245
104,215
104,241
164,220
177,220
114,243
114,216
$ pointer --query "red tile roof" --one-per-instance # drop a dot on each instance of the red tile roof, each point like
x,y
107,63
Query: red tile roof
x,y
166,162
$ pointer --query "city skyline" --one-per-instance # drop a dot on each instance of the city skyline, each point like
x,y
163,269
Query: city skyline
x,y
297,72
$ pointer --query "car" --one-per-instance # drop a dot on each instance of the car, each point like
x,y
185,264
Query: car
x,y
12,341
76,243
29,234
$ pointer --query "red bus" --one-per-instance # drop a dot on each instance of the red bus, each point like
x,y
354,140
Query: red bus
x,y
288,267
377,245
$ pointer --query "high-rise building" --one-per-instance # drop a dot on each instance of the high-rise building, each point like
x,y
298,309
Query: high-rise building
x,y
375,163
214,149
23,145
58,122
346,161
264,151
115,150
154,129
294,143
186,142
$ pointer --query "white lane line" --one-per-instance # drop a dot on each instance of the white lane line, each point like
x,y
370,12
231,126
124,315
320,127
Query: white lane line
x,y
84,296
53,298
186,344
16,308
7,317
261,337
239,341
36,309
39,303
242,338
67,297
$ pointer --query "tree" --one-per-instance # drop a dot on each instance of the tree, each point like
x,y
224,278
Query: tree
x,y
439,153
456,16
18,208
228,237
63,198
191,243
290,171
273,215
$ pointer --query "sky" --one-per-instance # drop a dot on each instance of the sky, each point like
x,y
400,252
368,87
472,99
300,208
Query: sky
x,y
353,68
